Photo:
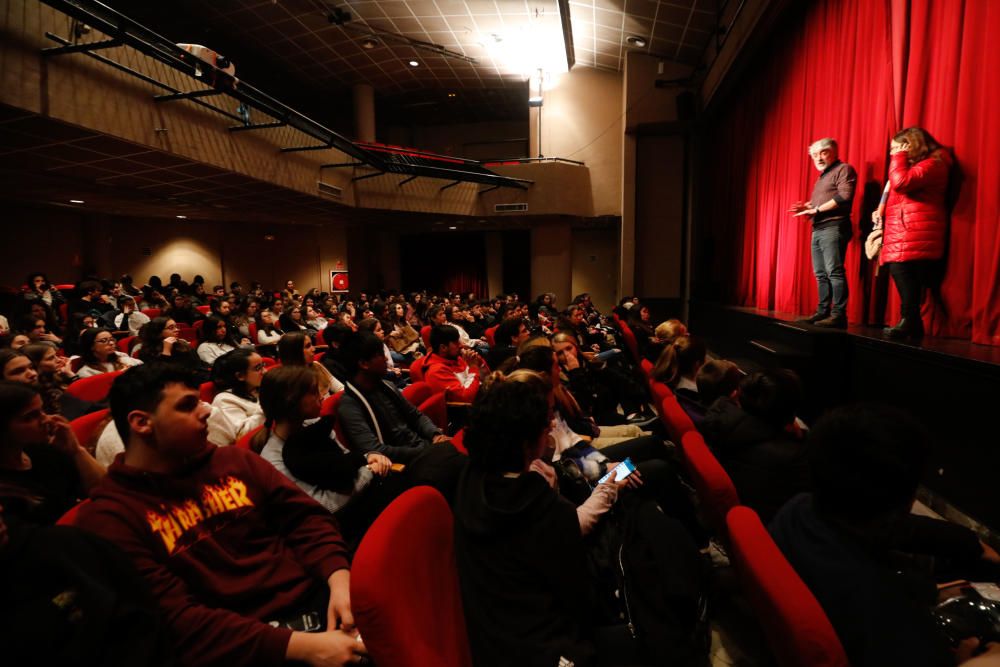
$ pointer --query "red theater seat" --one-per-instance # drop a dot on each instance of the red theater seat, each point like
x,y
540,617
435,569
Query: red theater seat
x,y
206,391
715,489
417,392
151,313
87,428
674,418
436,409
425,335
414,617
797,629
69,518
630,342
244,442
95,388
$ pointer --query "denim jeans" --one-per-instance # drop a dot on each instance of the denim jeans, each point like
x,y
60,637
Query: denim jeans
x,y
828,248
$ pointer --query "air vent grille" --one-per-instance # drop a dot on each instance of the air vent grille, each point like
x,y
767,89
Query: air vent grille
x,y
330,190
509,208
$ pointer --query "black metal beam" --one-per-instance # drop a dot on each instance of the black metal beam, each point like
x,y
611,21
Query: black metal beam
x,y
338,165
80,48
258,126
407,180
489,189
361,178
293,149
450,185
208,92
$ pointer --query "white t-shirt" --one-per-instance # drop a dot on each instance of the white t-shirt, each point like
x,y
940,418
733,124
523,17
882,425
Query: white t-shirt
x,y
209,352
107,367
232,417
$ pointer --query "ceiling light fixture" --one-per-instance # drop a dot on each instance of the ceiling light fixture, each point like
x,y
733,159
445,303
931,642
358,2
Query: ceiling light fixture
x,y
636,41
414,63
181,217
453,228
76,201
451,94
369,43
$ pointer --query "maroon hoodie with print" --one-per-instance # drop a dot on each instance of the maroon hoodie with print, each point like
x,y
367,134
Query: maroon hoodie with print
x,y
226,544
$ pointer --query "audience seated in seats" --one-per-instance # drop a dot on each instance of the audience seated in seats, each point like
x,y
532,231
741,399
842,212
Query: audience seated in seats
x,y
756,440
373,414
334,337
182,310
346,483
853,539
403,339
373,326
72,598
715,379
39,310
126,317
526,589
269,332
91,301
235,409
315,319
158,342
53,376
296,349
678,365
43,469
222,309
38,288
292,320
37,330
451,368
98,354
214,335
459,318
642,327
665,334
233,552
245,315
508,335
14,341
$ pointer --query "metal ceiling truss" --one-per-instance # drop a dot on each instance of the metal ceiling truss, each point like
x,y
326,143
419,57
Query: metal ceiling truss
x,y
123,31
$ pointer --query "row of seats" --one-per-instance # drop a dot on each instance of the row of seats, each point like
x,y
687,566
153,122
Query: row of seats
x,y
796,627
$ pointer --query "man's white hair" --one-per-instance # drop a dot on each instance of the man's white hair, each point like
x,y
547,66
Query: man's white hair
x,y
820,144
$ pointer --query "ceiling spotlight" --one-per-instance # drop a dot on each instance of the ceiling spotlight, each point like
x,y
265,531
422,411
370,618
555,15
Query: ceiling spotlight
x,y
414,63
369,42
268,237
181,217
76,201
453,227
451,94
636,41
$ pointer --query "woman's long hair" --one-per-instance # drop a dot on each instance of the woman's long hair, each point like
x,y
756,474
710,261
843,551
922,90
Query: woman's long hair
x,y
87,351
678,360
291,349
281,394
922,144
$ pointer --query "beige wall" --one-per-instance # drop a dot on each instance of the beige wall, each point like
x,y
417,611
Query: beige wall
x,y
551,261
582,120
595,265
659,198
475,141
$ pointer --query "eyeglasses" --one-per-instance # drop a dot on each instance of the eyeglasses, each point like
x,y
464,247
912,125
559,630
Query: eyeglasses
x,y
104,340
257,367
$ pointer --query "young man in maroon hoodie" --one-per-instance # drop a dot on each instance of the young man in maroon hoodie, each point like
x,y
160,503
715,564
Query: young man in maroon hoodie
x,y
239,559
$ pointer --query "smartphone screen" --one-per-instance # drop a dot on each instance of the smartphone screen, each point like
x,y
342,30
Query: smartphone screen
x,y
624,469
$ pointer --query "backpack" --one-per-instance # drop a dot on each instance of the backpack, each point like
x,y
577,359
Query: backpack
x,y
653,578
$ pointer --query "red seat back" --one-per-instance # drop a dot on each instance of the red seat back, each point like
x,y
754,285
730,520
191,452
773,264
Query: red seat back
x,y
646,365
151,313
69,518
797,629
330,404
417,392
190,334
489,334
415,619
252,328
436,409
244,442
630,342
659,390
711,482
425,335
458,440
206,391
268,362
95,388
204,310
87,428
674,418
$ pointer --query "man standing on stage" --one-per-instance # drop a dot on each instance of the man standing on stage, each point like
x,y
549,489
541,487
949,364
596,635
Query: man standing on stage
x,y
830,210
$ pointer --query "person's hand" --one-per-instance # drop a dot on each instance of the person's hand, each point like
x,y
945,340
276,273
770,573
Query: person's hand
x,y
439,438
61,436
798,207
325,649
807,212
470,357
876,217
633,481
379,464
596,348
900,147
546,471
168,344
338,612
50,337
568,360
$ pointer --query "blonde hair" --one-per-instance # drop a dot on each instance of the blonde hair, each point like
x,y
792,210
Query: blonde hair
x,y
680,358
538,341
670,330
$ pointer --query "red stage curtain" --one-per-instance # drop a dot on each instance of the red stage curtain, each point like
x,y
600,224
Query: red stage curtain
x,y
858,71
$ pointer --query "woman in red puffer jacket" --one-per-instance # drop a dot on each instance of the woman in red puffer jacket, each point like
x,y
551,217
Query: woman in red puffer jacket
x,y
916,221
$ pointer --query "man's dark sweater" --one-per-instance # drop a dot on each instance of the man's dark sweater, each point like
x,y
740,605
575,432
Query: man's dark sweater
x,y
837,182
405,430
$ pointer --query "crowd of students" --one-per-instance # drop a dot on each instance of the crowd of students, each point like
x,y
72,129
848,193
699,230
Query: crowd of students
x,y
241,554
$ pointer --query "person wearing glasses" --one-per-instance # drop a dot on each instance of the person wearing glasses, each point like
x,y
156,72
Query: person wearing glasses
x,y
100,355
235,408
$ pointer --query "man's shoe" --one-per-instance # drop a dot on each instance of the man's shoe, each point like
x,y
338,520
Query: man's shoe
x,y
813,319
832,322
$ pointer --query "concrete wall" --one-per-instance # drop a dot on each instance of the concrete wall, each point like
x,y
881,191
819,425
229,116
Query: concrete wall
x,y
551,261
595,265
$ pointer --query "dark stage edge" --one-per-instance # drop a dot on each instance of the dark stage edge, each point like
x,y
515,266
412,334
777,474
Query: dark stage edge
x,y
952,386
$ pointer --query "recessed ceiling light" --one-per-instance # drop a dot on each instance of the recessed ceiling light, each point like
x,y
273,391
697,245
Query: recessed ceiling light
x,y
453,227
76,201
636,41
181,217
369,43
414,63
451,94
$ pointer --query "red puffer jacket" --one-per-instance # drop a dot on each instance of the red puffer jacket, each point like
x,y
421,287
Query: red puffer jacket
x,y
915,214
